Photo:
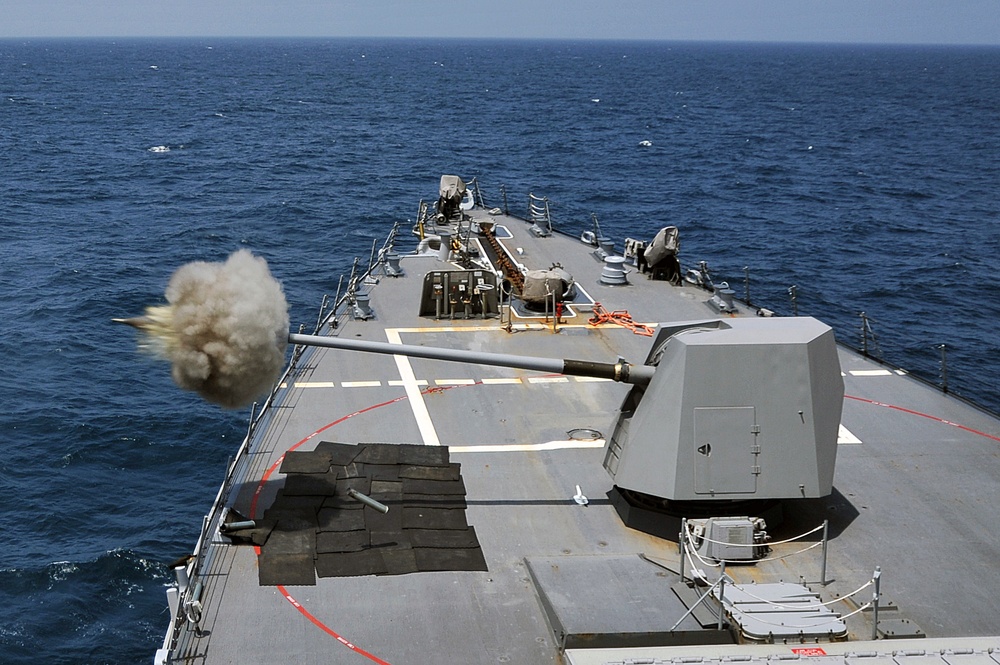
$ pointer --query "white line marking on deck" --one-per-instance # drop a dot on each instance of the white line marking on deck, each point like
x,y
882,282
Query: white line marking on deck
x,y
902,372
844,436
414,397
527,447
493,328
869,372
490,381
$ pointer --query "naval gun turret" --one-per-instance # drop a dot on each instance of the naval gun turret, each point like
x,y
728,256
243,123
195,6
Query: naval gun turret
x,y
744,412
721,411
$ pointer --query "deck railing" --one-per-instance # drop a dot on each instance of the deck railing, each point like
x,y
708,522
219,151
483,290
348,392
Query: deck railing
x,y
929,358
929,361
688,545
186,597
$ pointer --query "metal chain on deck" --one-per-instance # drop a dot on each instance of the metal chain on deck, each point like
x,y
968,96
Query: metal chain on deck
x,y
510,271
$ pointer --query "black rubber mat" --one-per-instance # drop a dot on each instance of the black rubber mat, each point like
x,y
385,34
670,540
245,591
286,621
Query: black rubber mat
x,y
433,487
388,455
312,484
308,462
383,471
423,455
361,483
296,502
447,538
450,472
341,454
390,521
338,519
400,561
342,541
433,518
315,528
387,489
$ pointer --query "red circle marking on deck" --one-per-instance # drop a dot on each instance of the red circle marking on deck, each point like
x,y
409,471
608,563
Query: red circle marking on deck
x,y
253,513
329,631
923,415
274,467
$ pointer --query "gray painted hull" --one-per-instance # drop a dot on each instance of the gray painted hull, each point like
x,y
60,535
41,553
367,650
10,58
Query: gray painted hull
x,y
916,479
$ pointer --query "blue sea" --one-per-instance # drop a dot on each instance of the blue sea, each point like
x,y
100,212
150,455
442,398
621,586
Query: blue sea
x,y
865,176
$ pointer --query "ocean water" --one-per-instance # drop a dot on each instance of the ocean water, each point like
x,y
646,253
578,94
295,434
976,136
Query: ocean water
x,y
865,176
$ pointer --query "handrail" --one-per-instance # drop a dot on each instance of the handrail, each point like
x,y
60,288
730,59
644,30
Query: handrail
x,y
698,602
773,296
770,297
386,246
687,538
688,548
201,557
538,211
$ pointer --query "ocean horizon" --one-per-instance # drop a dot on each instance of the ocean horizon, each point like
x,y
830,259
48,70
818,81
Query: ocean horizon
x,y
822,180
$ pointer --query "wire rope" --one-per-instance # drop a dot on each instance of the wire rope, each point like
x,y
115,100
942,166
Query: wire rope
x,y
807,607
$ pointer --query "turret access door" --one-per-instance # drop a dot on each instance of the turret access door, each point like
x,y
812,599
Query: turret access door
x,y
726,450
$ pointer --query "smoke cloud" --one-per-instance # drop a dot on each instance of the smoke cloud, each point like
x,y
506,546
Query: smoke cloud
x,y
224,330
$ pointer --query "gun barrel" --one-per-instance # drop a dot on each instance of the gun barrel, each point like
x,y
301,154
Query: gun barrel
x,y
621,371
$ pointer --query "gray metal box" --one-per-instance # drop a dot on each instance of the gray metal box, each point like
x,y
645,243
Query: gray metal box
x,y
730,539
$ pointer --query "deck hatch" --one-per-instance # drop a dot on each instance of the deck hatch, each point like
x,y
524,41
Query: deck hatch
x,y
614,601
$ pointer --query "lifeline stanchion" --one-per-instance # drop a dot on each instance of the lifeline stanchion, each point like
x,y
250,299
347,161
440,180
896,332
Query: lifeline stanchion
x,y
722,594
680,541
826,530
875,594
696,603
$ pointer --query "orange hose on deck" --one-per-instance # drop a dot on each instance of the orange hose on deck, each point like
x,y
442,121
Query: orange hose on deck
x,y
619,317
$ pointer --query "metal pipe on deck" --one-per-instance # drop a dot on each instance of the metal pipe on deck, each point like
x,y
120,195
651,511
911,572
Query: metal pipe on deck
x,y
237,526
621,371
368,501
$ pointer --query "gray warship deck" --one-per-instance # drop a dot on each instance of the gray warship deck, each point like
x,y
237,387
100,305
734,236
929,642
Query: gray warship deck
x,y
915,483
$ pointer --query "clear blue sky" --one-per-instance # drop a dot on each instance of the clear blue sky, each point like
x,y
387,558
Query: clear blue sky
x,y
878,21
